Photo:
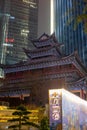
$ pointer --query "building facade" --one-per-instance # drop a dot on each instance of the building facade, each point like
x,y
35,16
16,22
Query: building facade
x,y
46,68
74,38
18,25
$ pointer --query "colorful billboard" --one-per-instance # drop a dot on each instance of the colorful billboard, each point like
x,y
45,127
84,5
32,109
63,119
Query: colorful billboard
x,y
74,112
67,111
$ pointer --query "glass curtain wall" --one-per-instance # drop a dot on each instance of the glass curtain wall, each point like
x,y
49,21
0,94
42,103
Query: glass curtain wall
x,y
18,25
74,38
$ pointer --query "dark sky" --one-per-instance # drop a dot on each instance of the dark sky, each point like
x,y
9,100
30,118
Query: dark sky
x,y
44,17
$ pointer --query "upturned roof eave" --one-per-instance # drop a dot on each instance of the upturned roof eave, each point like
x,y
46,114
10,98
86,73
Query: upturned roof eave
x,y
52,36
31,62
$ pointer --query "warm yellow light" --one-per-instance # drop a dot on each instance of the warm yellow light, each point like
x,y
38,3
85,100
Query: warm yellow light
x,y
3,107
58,91
72,97
29,2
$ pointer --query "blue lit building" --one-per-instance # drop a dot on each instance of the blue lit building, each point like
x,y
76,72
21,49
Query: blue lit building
x,y
65,14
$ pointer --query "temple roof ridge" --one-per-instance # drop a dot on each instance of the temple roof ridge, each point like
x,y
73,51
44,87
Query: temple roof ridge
x,y
43,37
48,59
31,61
43,52
74,54
81,80
76,58
45,40
42,49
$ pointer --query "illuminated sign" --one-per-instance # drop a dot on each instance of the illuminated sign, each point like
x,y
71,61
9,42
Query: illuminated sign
x,y
7,44
67,111
55,106
24,32
11,40
29,2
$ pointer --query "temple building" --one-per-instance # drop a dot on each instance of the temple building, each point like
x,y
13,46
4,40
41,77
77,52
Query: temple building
x,y
45,68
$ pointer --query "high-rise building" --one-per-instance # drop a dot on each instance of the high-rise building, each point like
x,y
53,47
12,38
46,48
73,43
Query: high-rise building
x,y
59,16
65,14
18,26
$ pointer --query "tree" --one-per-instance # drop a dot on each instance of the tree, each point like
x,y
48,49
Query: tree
x,y
21,118
44,124
80,17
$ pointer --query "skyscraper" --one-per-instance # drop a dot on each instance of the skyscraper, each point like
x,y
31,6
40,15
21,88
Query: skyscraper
x,y
65,14
18,26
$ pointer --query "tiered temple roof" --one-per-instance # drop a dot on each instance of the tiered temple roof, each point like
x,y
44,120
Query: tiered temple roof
x,y
47,55
45,62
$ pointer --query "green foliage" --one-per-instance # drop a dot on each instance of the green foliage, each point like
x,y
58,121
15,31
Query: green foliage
x,y
80,18
44,124
21,117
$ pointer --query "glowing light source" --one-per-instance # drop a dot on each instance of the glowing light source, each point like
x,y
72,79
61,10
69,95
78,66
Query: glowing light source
x,y
74,98
29,2
70,95
7,44
24,32
11,40
66,109
52,17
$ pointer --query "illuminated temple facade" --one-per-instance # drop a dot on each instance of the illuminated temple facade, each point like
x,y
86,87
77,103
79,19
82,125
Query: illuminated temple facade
x,y
45,68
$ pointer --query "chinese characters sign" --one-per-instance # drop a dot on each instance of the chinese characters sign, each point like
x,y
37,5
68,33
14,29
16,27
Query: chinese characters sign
x,y
55,97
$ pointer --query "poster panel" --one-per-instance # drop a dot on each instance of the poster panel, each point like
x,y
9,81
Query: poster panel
x,y
55,96
74,112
